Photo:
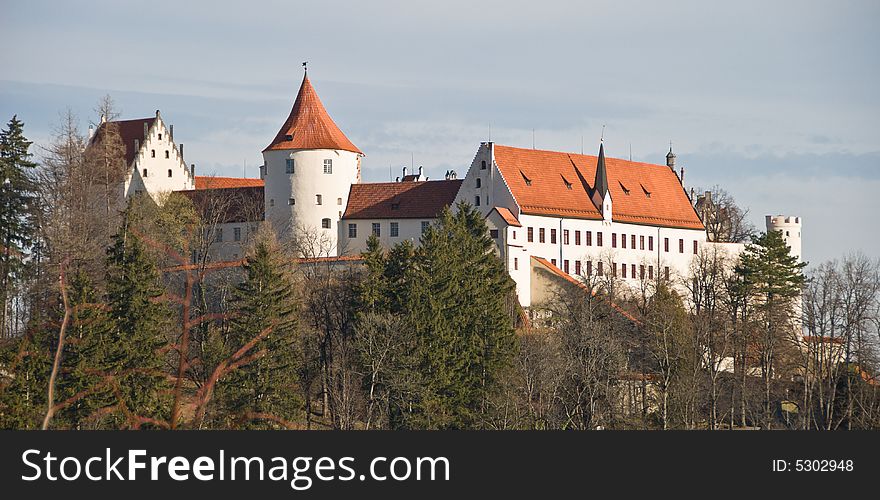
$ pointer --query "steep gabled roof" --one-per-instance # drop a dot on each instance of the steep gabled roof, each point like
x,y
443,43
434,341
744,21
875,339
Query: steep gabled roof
x,y
400,200
508,216
655,195
309,126
129,130
211,182
228,204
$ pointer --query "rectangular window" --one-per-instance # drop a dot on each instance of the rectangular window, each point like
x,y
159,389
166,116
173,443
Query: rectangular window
x,y
493,233
614,269
642,271
477,201
553,236
680,245
236,234
318,199
650,272
589,237
515,263
553,261
291,201
577,267
395,229
641,242
288,166
623,270
377,230
589,268
695,247
633,246
666,272
613,240
650,243
530,234
577,237
352,230
219,236
339,201
622,241
565,236
169,172
599,270
425,226
598,238
665,244
633,269
541,235
565,266
514,235
328,166
325,223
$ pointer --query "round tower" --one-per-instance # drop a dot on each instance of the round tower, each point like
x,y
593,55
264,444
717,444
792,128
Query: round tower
x,y
308,169
790,227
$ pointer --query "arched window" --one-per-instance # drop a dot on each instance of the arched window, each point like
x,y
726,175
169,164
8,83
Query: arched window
x,y
145,172
167,155
479,182
483,165
169,172
152,153
476,201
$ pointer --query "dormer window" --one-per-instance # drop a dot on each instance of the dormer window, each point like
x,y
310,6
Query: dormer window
x,y
565,181
647,193
625,190
395,205
288,137
526,179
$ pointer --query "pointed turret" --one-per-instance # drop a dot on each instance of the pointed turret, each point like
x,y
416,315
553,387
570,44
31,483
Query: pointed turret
x,y
601,195
309,126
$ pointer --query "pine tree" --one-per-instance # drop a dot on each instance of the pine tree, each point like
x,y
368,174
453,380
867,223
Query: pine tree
x,y
17,211
264,387
772,279
139,322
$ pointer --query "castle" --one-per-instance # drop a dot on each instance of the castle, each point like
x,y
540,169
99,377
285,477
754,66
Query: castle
x,y
569,214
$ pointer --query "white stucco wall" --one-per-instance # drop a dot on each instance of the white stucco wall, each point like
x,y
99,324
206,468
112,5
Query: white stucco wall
x,y
408,229
153,173
303,186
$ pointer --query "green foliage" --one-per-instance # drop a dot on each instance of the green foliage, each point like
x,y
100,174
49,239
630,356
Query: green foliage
x,y
769,271
265,301
139,330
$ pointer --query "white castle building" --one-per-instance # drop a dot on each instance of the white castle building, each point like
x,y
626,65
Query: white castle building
x,y
572,214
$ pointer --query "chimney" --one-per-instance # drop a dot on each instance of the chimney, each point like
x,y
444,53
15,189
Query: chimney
x,y
398,179
192,170
404,170
91,132
420,171
681,177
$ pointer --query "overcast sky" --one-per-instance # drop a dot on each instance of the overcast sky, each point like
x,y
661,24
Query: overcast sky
x,y
775,101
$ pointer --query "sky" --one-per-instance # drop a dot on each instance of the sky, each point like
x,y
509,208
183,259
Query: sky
x,y
774,101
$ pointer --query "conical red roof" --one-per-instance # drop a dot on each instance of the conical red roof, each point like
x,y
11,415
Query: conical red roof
x,y
309,126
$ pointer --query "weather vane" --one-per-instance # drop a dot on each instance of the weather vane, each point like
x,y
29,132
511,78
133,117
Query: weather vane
x,y
306,66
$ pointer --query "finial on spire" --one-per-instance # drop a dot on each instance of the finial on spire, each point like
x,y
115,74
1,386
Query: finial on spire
x,y
602,137
305,66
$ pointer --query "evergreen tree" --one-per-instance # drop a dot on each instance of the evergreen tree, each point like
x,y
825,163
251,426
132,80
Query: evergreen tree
x,y
457,304
264,387
17,211
139,325
772,280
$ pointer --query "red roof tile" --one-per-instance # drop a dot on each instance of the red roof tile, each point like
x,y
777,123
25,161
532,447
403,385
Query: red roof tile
x,y
129,130
309,126
508,217
210,182
400,200
558,184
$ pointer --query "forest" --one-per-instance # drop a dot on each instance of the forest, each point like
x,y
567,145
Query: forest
x,y
115,316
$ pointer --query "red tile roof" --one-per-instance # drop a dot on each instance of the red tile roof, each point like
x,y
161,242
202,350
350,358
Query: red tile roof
x,y
309,126
210,182
508,217
228,204
129,130
400,200
567,277
558,184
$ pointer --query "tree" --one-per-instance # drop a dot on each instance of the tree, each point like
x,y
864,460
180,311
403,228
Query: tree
x,y
773,280
140,322
261,393
17,212
725,221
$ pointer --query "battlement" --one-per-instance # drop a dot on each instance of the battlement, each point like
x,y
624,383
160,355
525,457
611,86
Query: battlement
x,y
782,220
